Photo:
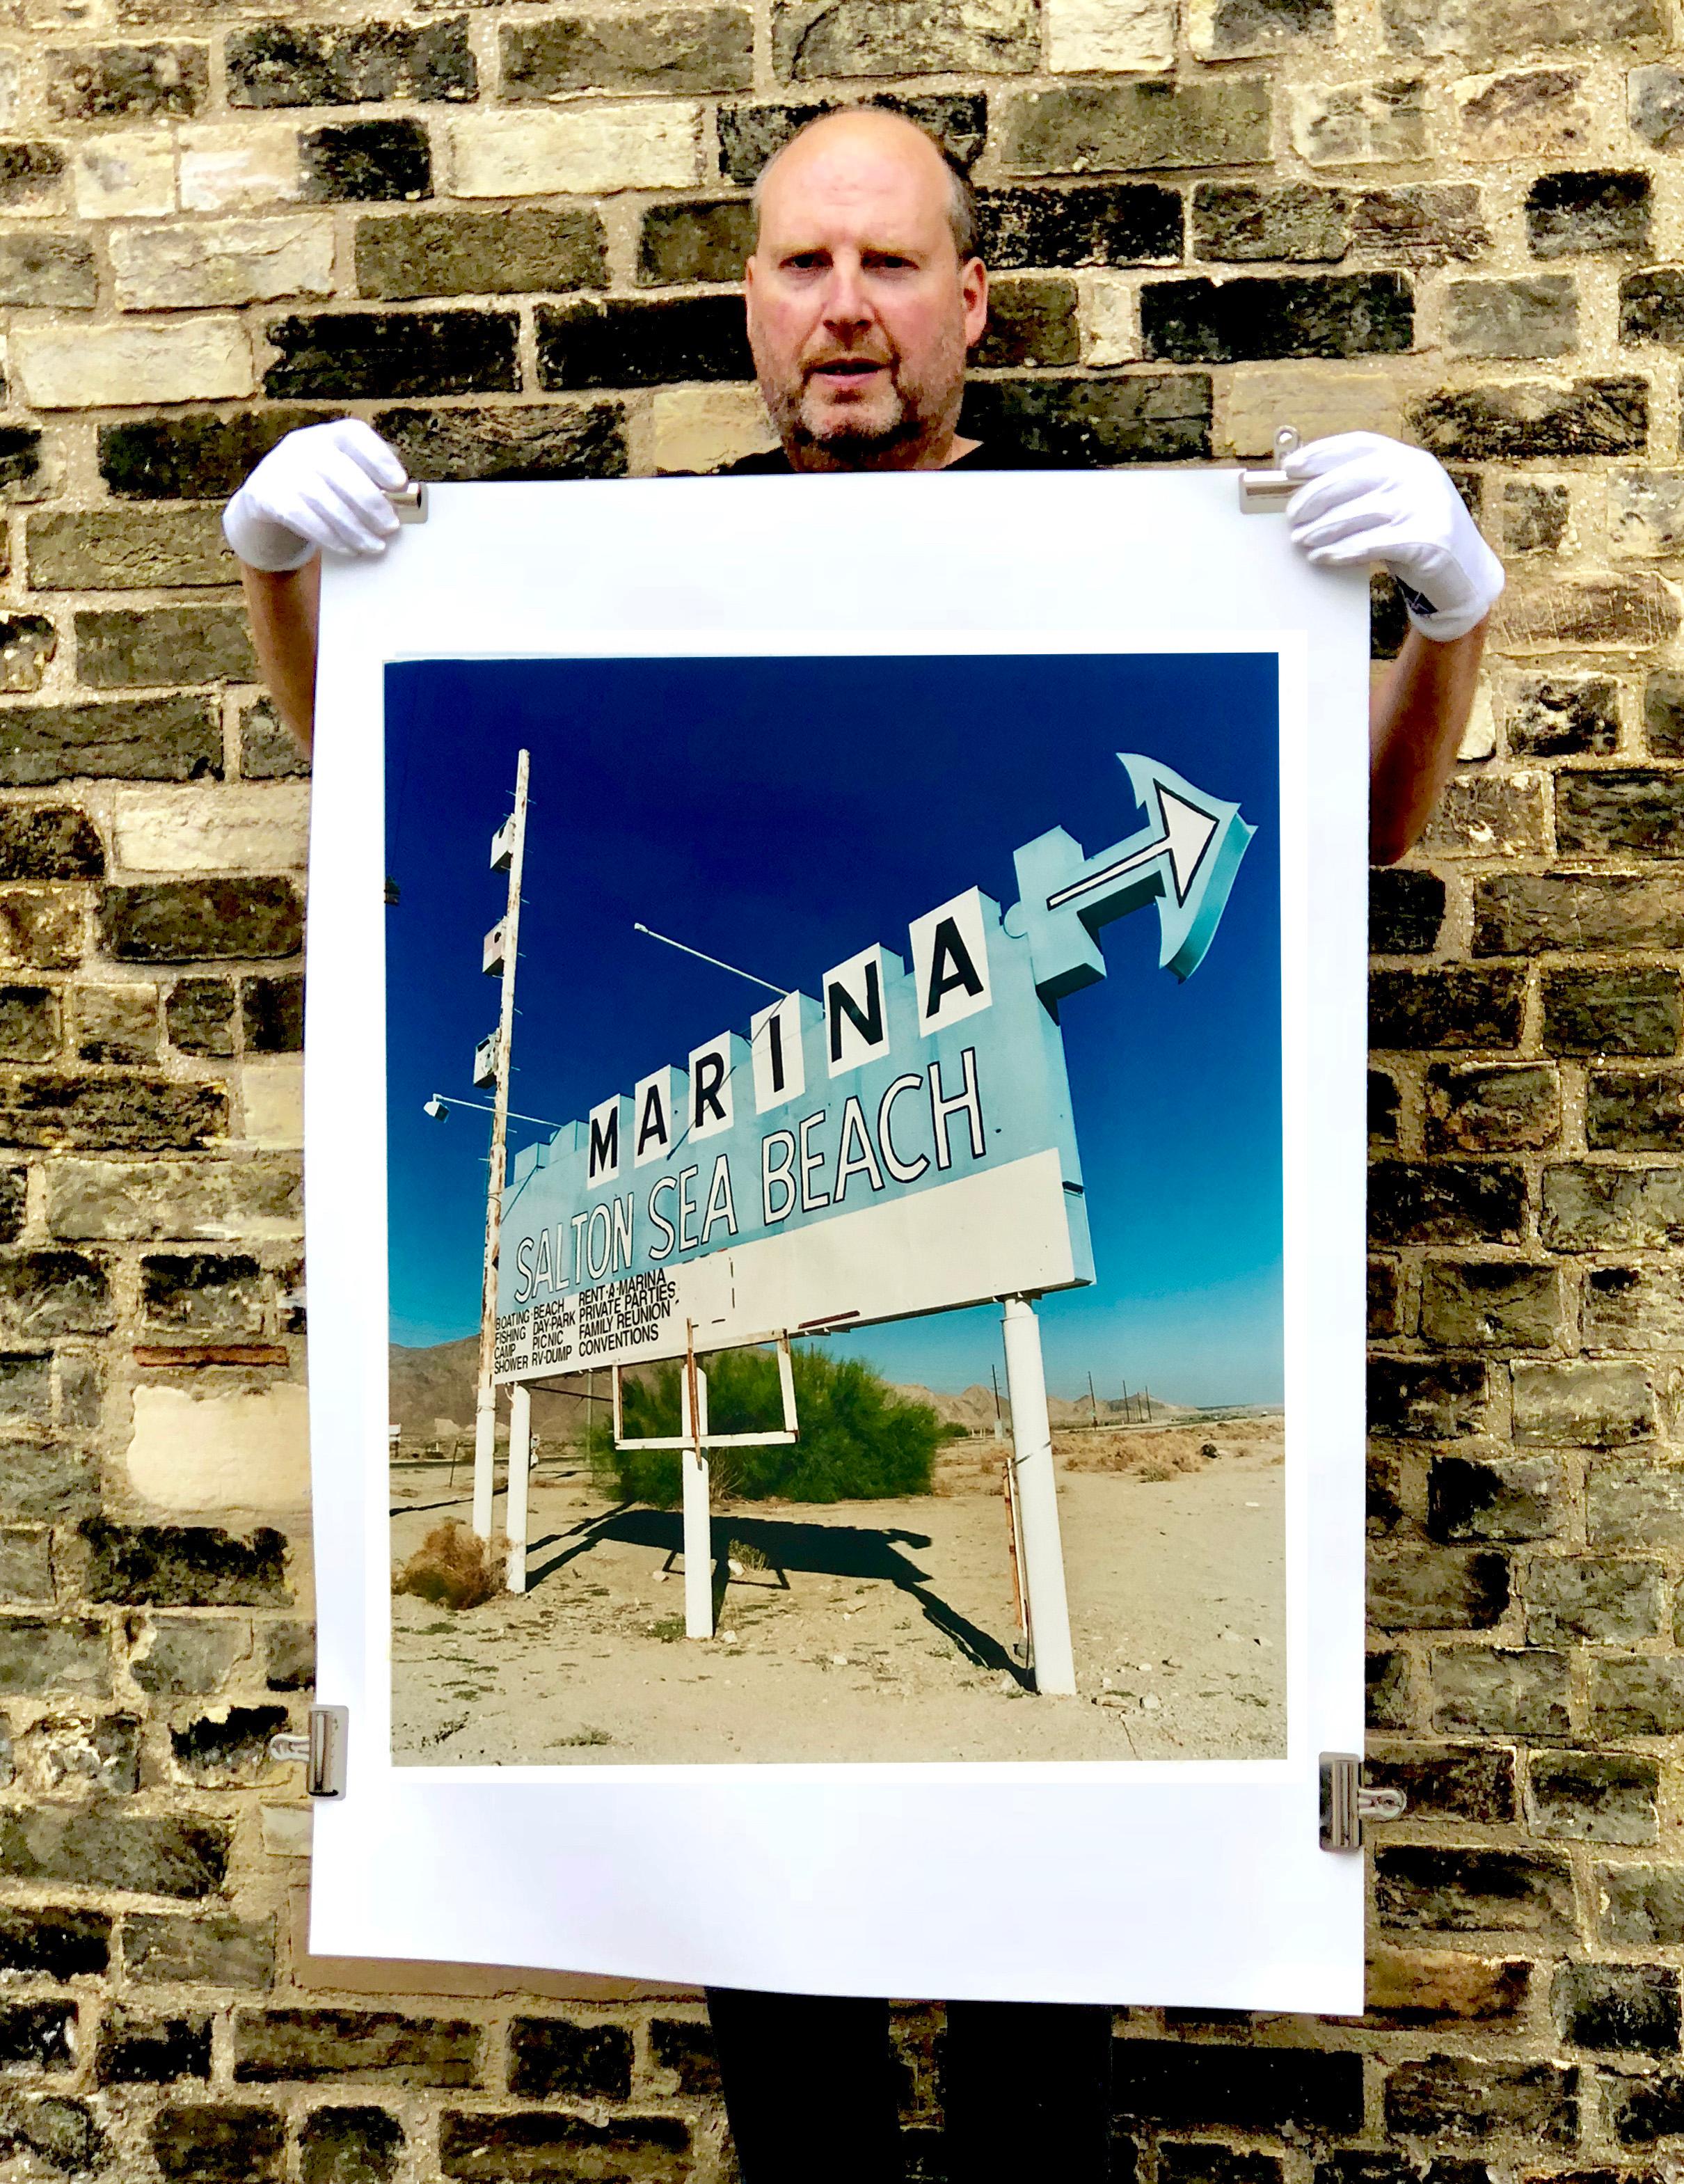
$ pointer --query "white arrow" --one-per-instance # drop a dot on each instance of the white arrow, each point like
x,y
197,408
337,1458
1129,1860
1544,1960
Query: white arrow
x,y
1188,834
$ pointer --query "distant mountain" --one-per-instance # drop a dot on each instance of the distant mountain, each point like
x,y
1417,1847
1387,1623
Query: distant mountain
x,y
973,1406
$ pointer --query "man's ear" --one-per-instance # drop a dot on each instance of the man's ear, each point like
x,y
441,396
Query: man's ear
x,y
974,290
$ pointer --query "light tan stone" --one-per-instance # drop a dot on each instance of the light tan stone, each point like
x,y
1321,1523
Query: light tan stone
x,y
1479,738
246,261
1524,113
1345,124
239,166
286,1830
655,146
62,367
1319,399
273,1096
246,1450
702,428
247,827
131,176
9,90
1101,35
1110,328
1646,511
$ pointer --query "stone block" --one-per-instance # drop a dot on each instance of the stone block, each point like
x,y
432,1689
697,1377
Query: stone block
x,y
118,647
96,1845
26,468
1585,611
30,1029
202,1292
25,1570
1524,113
1591,1601
221,263
1410,1012
1077,128
54,1944
1385,1315
1427,1888
552,2056
813,40
1426,224
268,750
698,429
1032,322
37,2035
134,2048
706,240
1487,1107
639,343
1534,516
242,166
1188,2085
196,456
256,827
588,150
180,1656
223,1750
1571,214
33,178
99,367
48,1484
1640,1906
218,2142
1205,2161
126,83
1466,1782
1533,419
1632,1501
1432,1986
1436,1589
1637,1695
1346,125
1095,37
750,134
40,928
1458,2097
44,270
272,1015
1103,224
1498,1303
661,48
1501,30
508,2149
280,63
1263,318
117,1024
185,1565
1594,1796
1235,30
223,1452
1480,816
337,2144
1490,1692
365,163
523,248
199,1016
290,1657
130,175
44,1655
1405,910
182,920
1386,1676
1582,1405
1559,715
1444,1202
1625,1012
1294,222
121,549
1528,914
147,738
214,1948
1496,1498
1323,398
1654,106
1635,1110
1651,307
1639,1307
385,354
1646,511
274,2046
685,2046
1538,315
1641,2110
534,440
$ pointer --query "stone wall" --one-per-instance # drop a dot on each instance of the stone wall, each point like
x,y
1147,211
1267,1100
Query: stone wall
x,y
506,234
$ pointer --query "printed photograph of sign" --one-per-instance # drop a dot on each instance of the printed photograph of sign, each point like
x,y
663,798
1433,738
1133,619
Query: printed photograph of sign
x,y
836,1304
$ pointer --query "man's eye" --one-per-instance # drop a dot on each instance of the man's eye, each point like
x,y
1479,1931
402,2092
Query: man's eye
x,y
887,262
804,261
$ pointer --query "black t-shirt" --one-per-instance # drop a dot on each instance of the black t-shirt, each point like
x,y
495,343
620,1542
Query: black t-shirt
x,y
989,456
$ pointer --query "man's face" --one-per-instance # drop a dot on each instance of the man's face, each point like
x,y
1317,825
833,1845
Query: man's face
x,y
859,312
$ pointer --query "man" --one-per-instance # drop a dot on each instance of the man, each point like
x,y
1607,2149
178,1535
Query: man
x,y
864,294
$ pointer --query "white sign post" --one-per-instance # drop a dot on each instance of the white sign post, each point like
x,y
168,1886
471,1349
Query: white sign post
x,y
1047,1607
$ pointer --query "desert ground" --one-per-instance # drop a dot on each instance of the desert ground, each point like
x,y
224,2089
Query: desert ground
x,y
865,1630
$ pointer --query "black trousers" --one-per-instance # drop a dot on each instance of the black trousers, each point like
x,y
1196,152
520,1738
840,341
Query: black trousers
x,y
811,2090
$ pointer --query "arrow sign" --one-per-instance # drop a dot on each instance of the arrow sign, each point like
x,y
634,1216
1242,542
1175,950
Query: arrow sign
x,y
1184,858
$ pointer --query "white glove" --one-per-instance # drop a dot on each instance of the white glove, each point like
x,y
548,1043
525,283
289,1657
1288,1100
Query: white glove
x,y
321,486
1369,498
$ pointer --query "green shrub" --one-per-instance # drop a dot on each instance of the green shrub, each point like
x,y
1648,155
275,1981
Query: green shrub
x,y
860,1442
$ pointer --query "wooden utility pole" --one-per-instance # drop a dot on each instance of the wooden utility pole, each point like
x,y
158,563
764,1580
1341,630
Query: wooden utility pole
x,y
508,853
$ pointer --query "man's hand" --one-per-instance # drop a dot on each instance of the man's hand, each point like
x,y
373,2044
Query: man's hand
x,y
322,486
1369,499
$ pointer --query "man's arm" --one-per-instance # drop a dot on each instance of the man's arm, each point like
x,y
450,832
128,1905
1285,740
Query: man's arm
x,y
283,607
1416,720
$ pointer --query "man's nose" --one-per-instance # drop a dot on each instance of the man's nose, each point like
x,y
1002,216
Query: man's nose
x,y
847,304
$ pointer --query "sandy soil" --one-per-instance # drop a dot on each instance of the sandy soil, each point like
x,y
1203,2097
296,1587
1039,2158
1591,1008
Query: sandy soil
x,y
869,1630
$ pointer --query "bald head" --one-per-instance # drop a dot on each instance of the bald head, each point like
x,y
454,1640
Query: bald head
x,y
865,293
849,134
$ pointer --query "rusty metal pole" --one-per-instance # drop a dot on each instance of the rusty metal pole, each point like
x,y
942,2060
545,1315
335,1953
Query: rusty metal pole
x,y
484,1415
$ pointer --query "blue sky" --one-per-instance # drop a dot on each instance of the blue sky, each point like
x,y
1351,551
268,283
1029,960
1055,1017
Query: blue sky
x,y
783,814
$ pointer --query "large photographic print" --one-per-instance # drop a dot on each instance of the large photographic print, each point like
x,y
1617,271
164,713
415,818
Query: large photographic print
x,y
835,1191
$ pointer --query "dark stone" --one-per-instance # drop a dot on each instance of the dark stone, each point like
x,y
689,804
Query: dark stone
x,y
1625,1012
349,2146
225,2143
1296,223
126,549
1494,1498
14,1186
1600,1603
388,353
512,252
37,2035
48,1293
54,1944
134,2050
1532,419
1562,717
1640,1694
120,646
29,1023
1031,322
176,920
816,40
1450,1782
126,83
61,2132
1146,417
185,1566
273,1015
1569,213
667,48
1409,1011
1415,1400
1202,2161
268,750
1388,618
637,343
353,64
1501,1303
1534,520
364,162
91,1846
45,269
231,1748
685,2046
1456,2096
1635,1111
1405,910
42,1655
1076,128
138,1113
1641,2110
273,2047
1532,913
708,240
20,463
1437,1589
1428,1888
1651,306
551,2055
750,135
1635,812
1383,1108
510,2149
1664,712
1641,1905
1445,1202
212,1948
194,457
534,440
176,739
1084,224
198,1015
199,1291
290,1657
1425,224
28,172
1197,2084
1383,1315
1595,1796
1386,1676
1338,314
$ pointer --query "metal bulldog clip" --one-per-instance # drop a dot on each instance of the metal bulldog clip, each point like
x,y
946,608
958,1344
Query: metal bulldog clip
x,y
1265,492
